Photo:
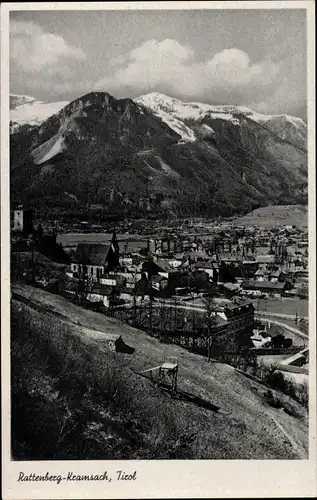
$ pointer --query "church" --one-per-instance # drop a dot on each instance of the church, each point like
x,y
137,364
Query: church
x,y
93,260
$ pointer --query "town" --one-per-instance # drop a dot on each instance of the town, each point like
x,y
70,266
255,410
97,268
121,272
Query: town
x,y
212,287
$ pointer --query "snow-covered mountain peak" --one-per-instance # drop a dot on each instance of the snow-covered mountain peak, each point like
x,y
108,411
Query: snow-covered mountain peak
x,y
182,116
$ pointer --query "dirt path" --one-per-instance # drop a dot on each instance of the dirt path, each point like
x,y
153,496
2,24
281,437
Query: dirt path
x,y
302,454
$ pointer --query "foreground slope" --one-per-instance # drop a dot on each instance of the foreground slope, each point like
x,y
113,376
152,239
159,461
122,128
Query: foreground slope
x,y
226,411
136,156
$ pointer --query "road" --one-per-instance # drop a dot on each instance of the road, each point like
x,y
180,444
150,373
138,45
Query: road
x,y
296,331
279,315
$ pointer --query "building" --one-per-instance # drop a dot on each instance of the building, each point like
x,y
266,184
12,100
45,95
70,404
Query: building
x,y
159,283
256,288
159,267
165,245
94,260
211,268
248,268
261,274
23,221
99,294
239,315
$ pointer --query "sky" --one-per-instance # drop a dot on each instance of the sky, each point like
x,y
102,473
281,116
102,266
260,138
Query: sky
x,y
254,58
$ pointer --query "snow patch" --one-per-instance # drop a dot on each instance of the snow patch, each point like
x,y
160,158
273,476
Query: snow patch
x,y
175,112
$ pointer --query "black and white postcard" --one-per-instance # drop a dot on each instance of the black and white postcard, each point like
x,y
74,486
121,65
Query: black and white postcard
x,y
158,248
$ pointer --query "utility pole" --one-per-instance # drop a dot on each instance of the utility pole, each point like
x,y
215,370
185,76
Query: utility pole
x,y
194,329
134,303
161,317
175,315
210,320
33,264
134,308
151,308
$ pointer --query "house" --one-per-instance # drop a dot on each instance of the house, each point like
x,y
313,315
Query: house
x,y
99,293
159,267
125,261
229,258
266,259
108,281
238,314
197,256
159,283
260,339
211,268
165,245
256,288
248,268
296,264
139,293
23,221
174,263
261,274
93,260
230,289
276,276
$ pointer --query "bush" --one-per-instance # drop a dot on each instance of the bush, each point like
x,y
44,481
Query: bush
x,y
272,400
303,394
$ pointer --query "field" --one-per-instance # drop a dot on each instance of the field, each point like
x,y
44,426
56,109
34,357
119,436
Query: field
x,y
131,242
225,411
275,216
283,306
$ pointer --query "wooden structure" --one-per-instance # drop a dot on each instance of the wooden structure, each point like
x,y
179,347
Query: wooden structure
x,y
168,369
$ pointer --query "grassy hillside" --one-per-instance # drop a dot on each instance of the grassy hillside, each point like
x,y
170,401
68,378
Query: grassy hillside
x,y
67,384
276,215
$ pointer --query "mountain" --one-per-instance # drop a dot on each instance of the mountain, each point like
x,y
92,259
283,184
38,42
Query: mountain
x,y
26,110
189,119
158,155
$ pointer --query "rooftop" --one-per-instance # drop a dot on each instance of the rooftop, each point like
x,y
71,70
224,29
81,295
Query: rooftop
x,y
91,254
256,285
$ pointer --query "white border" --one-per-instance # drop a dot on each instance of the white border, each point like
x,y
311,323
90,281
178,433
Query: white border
x,y
160,479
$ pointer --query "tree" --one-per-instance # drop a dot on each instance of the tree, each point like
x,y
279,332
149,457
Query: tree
x,y
210,320
84,285
303,291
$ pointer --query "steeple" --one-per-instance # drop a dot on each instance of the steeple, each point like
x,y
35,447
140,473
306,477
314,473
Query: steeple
x,y
114,241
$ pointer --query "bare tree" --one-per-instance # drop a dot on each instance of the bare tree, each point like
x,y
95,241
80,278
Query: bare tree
x,y
84,285
151,307
210,319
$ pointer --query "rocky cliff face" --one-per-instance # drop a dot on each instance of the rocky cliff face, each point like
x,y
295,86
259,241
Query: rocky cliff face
x,y
158,155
